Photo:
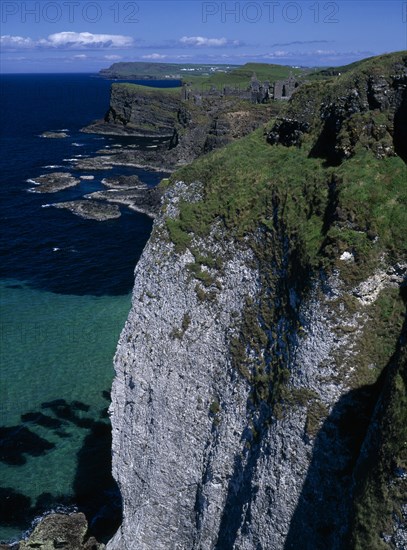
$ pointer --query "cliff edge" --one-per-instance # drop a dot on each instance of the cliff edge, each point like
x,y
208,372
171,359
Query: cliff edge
x,y
184,128
260,392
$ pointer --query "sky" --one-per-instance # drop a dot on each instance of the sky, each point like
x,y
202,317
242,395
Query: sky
x,y
57,36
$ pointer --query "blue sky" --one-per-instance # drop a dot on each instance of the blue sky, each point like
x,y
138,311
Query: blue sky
x,y
87,35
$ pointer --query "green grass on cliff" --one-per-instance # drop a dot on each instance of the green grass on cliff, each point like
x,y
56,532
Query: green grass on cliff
x,y
146,90
246,181
356,205
204,75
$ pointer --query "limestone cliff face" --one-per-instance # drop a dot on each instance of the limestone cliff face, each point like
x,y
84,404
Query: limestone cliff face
x,y
200,465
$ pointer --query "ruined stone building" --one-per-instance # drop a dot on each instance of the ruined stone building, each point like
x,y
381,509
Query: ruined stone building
x,y
283,89
256,92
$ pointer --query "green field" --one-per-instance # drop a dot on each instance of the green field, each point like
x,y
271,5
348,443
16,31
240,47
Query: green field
x,y
141,70
203,76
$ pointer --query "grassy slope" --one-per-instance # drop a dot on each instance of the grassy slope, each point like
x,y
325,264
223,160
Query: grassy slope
x,y
242,75
146,90
159,70
241,180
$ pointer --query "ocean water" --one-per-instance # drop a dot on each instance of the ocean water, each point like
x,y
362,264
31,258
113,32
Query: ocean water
x,y
65,287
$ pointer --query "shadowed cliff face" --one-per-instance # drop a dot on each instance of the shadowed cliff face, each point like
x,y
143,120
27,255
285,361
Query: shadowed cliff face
x,y
152,114
323,515
368,110
252,377
400,128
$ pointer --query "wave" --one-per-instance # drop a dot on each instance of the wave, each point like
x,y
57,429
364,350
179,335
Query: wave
x,y
53,166
78,144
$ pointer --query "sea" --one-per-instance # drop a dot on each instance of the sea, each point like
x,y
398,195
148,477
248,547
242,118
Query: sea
x,y
65,289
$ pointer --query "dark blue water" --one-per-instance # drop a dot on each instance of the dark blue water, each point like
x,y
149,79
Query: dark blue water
x,y
65,289
88,255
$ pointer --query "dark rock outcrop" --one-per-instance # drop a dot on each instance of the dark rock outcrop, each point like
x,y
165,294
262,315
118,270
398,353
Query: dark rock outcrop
x,y
143,111
189,129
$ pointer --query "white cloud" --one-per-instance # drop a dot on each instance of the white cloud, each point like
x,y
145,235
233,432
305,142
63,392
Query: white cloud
x,y
16,42
87,39
154,56
80,56
112,57
68,40
202,41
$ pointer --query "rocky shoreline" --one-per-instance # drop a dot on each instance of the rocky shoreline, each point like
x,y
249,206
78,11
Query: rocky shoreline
x,y
101,205
131,192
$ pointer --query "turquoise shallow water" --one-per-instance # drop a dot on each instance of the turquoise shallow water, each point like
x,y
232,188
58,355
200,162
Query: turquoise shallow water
x,y
54,346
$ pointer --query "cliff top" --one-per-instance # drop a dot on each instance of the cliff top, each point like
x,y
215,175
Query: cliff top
x,y
332,162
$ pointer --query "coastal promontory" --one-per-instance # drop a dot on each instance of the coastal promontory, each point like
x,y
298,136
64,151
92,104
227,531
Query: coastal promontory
x,y
259,400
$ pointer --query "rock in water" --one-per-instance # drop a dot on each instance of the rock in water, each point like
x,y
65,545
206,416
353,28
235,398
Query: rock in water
x,y
91,210
51,183
54,135
62,531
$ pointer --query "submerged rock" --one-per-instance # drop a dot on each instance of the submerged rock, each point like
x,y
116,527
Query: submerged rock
x,y
18,441
15,507
54,135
